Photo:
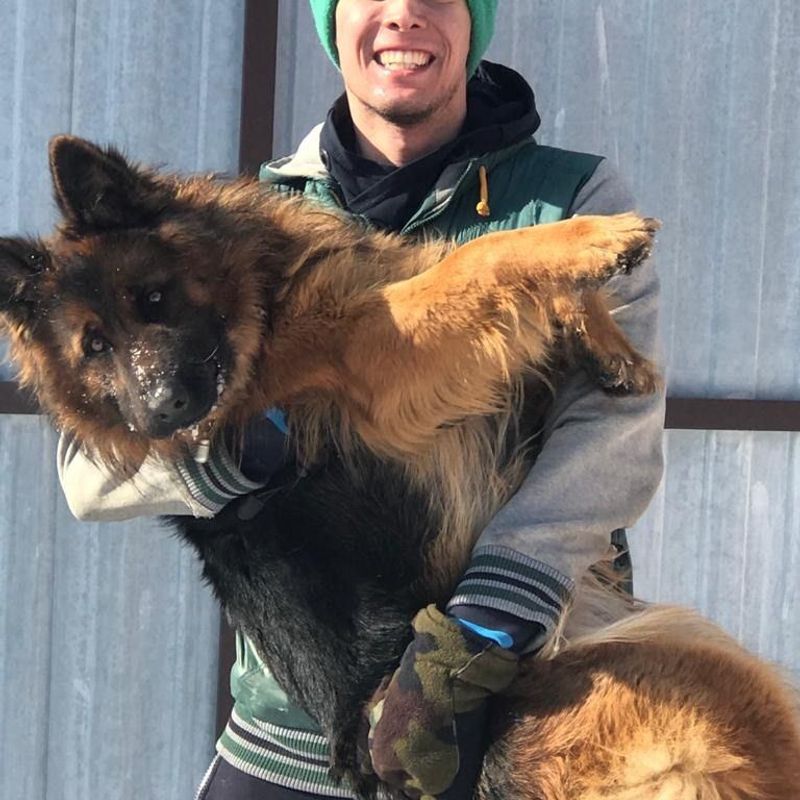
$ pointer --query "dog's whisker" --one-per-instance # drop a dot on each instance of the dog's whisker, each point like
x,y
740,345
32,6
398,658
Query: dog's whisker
x,y
211,355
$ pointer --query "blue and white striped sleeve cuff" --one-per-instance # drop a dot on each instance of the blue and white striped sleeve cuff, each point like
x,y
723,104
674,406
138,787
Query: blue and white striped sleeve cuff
x,y
506,580
216,482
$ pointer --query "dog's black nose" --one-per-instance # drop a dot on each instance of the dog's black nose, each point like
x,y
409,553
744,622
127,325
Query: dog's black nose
x,y
170,407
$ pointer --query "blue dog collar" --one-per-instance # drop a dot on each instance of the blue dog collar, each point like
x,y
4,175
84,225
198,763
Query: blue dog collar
x,y
278,419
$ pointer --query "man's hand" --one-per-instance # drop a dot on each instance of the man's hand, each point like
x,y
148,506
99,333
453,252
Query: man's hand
x,y
445,677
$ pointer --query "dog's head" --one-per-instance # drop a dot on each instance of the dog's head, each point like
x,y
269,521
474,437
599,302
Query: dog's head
x,y
129,323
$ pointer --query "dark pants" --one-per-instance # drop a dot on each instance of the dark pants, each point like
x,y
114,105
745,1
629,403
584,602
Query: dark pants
x,y
224,782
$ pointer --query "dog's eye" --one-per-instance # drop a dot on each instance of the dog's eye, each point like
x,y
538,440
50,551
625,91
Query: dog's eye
x,y
152,303
36,260
94,344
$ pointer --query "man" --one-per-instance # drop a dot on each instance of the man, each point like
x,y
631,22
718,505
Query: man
x,y
425,140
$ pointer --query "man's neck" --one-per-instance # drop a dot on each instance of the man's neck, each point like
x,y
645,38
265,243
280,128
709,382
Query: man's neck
x,y
388,143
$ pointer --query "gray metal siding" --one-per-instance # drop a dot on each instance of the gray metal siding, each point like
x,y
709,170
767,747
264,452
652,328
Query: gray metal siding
x,y
723,535
108,639
699,104
108,668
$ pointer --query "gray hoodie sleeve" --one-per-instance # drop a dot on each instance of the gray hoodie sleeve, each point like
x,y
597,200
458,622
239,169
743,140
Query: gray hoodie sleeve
x,y
600,465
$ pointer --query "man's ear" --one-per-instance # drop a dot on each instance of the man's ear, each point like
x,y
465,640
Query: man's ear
x,y
22,263
100,190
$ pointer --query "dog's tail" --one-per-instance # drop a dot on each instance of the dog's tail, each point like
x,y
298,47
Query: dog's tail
x,y
659,704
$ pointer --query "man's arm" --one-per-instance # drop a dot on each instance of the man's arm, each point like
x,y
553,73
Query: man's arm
x,y
158,487
599,467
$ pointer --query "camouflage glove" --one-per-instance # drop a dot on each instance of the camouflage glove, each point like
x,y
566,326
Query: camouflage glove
x,y
445,673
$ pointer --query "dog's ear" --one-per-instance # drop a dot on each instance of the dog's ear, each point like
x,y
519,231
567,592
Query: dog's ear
x,y
99,190
22,263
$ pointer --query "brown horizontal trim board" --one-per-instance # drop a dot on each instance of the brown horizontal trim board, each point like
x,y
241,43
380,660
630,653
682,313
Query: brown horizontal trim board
x,y
701,413
683,413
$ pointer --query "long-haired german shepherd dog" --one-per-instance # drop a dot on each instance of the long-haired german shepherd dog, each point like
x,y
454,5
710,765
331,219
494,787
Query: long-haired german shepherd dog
x,y
164,309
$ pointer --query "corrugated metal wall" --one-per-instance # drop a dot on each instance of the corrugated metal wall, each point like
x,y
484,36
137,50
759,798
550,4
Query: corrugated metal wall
x,y
700,105
108,640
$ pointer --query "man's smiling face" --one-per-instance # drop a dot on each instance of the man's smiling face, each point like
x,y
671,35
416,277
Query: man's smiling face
x,y
404,60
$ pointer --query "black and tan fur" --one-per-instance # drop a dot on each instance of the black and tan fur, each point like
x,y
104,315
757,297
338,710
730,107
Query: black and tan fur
x,y
414,376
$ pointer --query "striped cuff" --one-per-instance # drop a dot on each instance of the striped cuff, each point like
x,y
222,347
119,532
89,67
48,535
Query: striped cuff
x,y
216,482
506,580
295,759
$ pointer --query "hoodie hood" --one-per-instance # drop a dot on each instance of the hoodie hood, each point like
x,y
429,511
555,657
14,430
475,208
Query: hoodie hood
x,y
501,111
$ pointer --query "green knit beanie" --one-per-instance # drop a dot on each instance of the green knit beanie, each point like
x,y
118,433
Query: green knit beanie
x,y
481,11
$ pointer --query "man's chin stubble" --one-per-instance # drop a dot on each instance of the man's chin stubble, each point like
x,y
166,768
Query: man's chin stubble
x,y
404,118
411,118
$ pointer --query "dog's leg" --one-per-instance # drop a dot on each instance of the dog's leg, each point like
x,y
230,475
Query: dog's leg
x,y
562,256
600,343
403,360
438,346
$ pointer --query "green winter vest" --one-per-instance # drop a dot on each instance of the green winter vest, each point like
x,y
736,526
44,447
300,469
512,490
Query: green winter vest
x,y
528,184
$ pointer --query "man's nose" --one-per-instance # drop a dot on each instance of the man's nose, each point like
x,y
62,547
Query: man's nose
x,y
401,15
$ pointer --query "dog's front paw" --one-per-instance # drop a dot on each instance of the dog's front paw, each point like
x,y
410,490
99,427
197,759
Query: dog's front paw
x,y
638,246
612,245
626,374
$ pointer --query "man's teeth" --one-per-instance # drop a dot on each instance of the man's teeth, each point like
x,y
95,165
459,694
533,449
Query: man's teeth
x,y
403,59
